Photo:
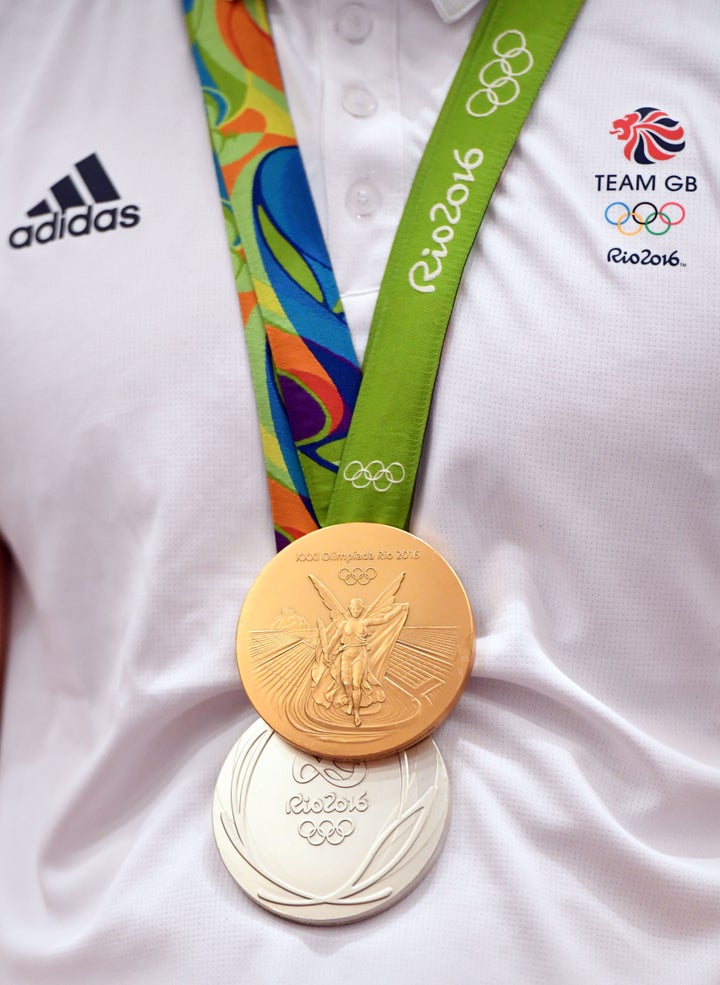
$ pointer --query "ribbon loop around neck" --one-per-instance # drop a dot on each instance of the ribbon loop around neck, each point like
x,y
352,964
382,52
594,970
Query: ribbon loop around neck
x,y
338,450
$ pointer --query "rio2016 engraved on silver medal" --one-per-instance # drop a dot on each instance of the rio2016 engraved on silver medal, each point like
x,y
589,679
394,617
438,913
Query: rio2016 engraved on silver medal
x,y
325,842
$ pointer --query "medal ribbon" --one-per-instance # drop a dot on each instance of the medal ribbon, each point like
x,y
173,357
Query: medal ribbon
x,y
365,470
305,372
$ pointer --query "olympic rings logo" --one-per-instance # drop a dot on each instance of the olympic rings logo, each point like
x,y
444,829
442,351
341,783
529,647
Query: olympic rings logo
x,y
657,221
358,576
499,85
326,831
375,474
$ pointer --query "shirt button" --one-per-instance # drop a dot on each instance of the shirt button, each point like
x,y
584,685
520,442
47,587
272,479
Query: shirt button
x,y
363,199
359,102
353,23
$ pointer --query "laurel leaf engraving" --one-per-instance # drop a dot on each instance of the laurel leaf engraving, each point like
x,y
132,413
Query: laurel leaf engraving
x,y
394,845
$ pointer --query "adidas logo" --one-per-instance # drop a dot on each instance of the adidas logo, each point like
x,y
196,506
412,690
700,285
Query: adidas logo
x,y
91,187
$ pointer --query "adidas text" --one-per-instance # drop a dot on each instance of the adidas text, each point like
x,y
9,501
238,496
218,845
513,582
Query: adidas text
x,y
80,224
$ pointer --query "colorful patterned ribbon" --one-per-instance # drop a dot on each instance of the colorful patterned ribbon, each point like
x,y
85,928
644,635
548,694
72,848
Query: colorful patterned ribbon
x,y
305,373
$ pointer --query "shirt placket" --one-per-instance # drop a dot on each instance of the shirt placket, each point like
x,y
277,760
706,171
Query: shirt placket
x,y
362,140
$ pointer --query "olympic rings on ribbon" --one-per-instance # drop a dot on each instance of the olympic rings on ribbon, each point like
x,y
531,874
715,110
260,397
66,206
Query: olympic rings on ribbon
x,y
375,474
326,830
358,576
645,221
499,85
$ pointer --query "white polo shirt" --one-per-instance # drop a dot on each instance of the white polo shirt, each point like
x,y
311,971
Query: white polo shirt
x,y
571,475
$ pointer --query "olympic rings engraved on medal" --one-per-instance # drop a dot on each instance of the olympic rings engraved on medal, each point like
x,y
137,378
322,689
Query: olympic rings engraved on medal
x,y
649,221
337,774
326,831
498,77
375,474
358,576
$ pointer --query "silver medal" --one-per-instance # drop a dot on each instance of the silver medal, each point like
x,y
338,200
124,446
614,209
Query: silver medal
x,y
325,842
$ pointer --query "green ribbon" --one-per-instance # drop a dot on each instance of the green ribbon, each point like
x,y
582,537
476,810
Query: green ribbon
x,y
509,56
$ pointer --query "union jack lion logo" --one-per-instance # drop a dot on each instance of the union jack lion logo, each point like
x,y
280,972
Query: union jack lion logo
x,y
650,135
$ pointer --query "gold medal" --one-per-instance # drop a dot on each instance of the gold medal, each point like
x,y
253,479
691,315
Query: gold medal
x,y
356,641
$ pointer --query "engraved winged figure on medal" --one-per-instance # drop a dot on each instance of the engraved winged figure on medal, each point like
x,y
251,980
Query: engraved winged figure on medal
x,y
353,650
354,669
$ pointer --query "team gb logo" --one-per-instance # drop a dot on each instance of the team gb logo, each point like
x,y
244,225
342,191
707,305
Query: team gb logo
x,y
649,135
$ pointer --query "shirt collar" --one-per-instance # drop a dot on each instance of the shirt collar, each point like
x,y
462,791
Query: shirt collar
x,y
453,10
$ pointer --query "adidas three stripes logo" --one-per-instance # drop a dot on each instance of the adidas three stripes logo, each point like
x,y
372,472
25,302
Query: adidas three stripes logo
x,y
66,192
87,188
